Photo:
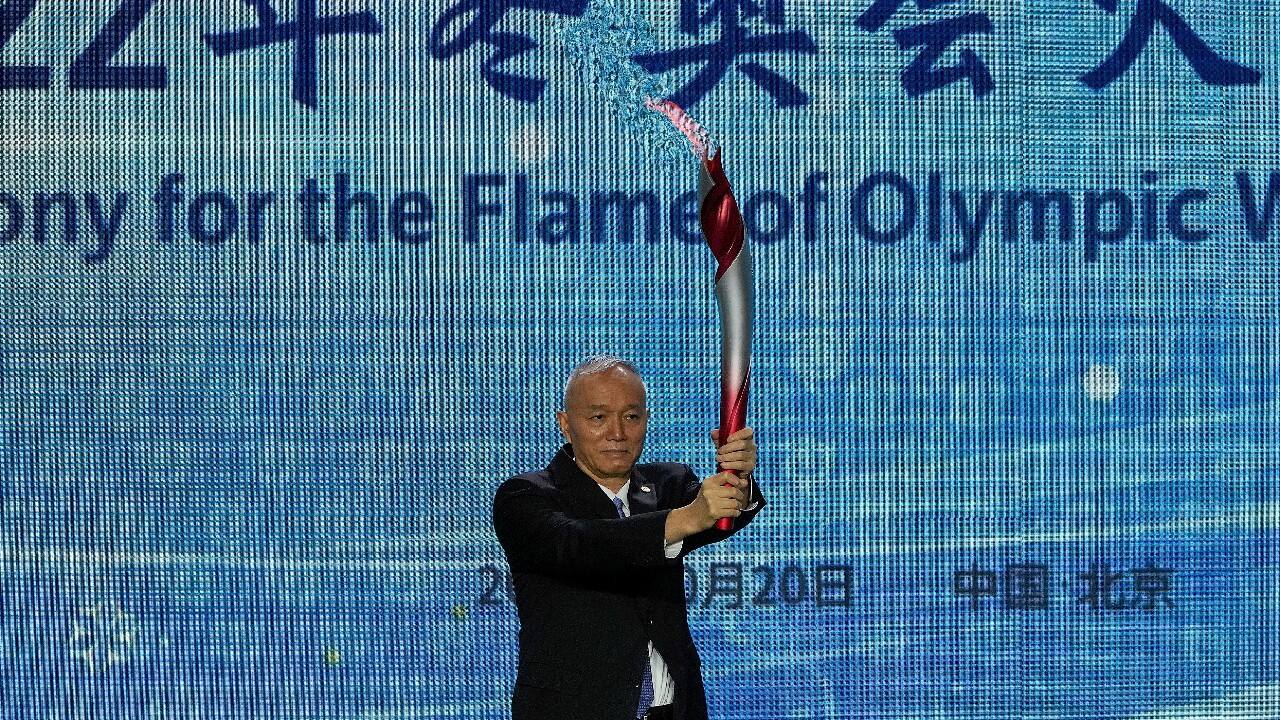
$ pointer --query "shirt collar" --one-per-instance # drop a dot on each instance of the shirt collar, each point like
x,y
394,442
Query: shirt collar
x,y
622,492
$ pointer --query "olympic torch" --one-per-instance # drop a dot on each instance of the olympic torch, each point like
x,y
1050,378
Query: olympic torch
x,y
723,228
603,41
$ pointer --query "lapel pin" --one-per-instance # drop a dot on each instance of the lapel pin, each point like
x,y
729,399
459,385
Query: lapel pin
x,y
644,488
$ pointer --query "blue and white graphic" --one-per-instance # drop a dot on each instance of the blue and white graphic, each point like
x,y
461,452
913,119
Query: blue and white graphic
x,y
288,288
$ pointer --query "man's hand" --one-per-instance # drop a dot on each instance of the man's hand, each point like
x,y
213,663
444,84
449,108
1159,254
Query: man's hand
x,y
739,453
714,501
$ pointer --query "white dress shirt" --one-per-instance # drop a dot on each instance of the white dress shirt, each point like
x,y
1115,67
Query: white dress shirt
x,y
663,686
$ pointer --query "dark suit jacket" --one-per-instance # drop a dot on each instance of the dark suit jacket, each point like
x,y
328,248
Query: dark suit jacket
x,y
592,590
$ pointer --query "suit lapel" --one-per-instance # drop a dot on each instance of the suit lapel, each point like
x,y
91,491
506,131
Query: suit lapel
x,y
642,496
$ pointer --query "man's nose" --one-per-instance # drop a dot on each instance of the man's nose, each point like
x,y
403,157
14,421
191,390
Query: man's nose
x,y
617,428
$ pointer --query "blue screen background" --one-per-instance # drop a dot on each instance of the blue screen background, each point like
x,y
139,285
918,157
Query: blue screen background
x,y
252,479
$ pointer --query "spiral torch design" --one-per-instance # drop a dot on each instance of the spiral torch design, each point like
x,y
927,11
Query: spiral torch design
x,y
723,228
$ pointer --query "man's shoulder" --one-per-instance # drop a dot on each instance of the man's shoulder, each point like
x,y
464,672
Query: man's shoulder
x,y
541,482
532,480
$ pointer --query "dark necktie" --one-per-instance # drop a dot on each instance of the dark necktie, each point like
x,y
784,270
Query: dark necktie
x,y
646,680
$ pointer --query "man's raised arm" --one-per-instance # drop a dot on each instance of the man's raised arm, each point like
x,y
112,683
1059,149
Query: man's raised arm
x,y
709,500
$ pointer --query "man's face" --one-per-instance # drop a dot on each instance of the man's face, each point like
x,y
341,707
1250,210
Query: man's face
x,y
605,420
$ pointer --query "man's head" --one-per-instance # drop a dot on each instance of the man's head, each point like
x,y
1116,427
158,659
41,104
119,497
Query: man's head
x,y
605,417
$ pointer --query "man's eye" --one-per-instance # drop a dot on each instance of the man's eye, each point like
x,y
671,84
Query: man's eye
x,y
597,417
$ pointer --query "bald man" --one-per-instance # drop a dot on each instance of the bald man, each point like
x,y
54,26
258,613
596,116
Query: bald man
x,y
596,545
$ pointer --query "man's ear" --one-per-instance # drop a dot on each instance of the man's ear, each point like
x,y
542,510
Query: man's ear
x,y
563,421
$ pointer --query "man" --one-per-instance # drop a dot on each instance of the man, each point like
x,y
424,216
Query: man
x,y
596,546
